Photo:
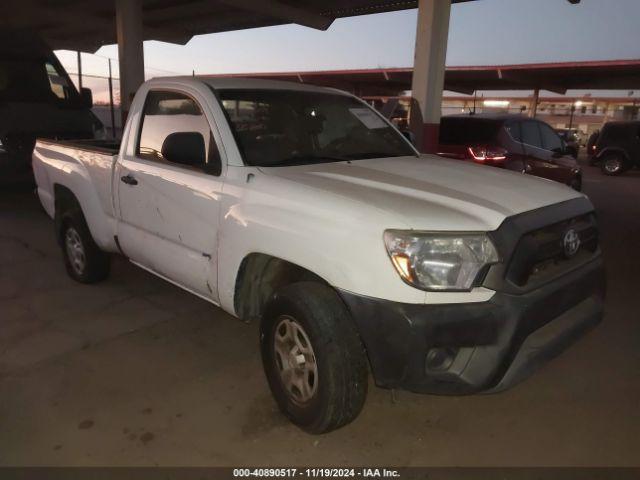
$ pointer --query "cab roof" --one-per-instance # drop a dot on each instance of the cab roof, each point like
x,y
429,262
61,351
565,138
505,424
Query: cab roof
x,y
231,82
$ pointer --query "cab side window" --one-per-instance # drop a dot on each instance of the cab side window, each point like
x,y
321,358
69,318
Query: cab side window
x,y
175,130
550,139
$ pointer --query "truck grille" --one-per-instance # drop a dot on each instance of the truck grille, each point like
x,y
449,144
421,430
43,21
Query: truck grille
x,y
540,255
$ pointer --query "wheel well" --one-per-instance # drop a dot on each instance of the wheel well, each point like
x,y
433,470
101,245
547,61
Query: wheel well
x,y
65,200
259,276
613,151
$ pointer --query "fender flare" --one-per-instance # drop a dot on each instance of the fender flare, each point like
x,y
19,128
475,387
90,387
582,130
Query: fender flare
x,y
603,153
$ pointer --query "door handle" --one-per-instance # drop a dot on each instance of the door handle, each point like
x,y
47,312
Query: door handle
x,y
129,180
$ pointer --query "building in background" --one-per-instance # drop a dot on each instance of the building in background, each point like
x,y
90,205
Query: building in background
x,y
590,112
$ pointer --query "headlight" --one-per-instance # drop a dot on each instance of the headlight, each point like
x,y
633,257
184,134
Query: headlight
x,y
439,261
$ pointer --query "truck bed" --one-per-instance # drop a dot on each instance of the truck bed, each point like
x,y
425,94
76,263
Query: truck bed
x,y
85,168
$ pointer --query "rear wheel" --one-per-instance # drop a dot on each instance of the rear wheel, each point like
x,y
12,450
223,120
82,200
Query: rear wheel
x,y
613,164
313,358
83,259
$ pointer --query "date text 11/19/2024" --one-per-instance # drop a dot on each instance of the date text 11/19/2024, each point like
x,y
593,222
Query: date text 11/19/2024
x,y
315,473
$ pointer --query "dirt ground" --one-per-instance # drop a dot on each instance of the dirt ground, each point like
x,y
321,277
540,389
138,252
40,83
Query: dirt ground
x,y
135,371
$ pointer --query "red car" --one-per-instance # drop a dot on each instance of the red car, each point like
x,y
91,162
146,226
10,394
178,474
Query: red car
x,y
513,142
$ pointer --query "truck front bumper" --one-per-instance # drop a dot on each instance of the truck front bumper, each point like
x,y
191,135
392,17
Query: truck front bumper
x,y
468,348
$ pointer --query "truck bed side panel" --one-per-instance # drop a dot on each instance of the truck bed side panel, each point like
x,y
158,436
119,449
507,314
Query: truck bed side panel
x,y
88,175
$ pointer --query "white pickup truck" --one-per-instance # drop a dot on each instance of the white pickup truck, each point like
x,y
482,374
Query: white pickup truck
x,y
303,208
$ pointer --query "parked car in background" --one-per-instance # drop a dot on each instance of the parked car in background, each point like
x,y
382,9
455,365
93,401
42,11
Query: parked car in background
x,y
618,147
304,209
508,141
37,99
572,139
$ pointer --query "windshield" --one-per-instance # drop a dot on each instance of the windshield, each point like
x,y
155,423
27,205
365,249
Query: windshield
x,y
287,127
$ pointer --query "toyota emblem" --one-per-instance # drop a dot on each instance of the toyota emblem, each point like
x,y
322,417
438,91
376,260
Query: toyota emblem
x,y
571,243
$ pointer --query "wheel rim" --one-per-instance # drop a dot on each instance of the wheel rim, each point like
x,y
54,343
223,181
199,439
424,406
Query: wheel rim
x,y
75,250
612,165
295,360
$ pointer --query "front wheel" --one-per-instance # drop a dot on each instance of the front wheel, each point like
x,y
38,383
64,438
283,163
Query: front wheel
x,y
313,358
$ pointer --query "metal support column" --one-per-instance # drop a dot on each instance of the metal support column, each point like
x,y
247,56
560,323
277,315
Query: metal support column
x,y
533,110
432,33
130,50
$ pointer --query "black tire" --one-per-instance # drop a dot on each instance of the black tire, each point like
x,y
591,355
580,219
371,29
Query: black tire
x,y
613,164
96,263
340,388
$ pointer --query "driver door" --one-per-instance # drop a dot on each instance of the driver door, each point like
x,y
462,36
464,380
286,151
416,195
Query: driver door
x,y
169,204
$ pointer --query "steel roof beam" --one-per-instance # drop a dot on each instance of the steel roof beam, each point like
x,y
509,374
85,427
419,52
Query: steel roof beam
x,y
273,8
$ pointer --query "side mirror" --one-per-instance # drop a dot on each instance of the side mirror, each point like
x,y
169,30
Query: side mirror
x,y
86,97
185,148
408,134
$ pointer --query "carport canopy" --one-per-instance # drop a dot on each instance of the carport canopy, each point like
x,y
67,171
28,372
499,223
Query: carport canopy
x,y
89,24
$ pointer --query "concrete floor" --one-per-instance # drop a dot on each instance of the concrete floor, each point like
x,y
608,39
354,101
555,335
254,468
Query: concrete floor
x,y
136,372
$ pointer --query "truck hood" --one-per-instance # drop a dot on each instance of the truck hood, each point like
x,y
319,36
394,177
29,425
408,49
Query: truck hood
x,y
428,192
